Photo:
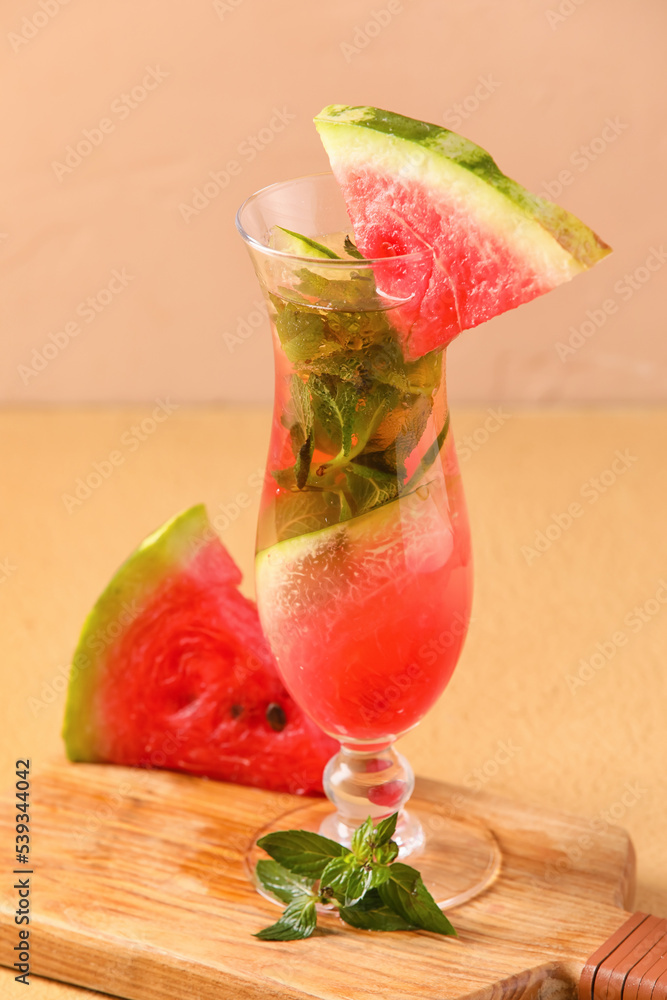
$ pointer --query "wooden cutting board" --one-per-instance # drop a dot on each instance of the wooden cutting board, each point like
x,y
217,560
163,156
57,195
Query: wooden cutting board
x,y
139,890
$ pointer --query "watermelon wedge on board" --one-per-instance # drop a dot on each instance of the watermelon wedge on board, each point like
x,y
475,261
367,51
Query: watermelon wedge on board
x,y
172,670
407,183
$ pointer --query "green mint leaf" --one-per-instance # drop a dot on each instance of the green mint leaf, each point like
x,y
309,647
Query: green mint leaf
x,y
327,415
312,284
360,838
424,374
298,921
368,487
386,853
356,288
305,511
280,882
370,410
297,321
358,883
301,852
311,344
347,879
380,874
385,830
285,477
347,402
299,415
351,249
405,893
347,367
303,460
371,914
359,328
336,875
347,414
401,428
373,462
382,362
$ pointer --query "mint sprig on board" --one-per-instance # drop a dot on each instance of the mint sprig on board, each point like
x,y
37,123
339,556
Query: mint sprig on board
x,y
366,885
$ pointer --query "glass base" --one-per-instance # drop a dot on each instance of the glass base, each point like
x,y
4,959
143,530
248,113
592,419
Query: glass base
x,y
458,857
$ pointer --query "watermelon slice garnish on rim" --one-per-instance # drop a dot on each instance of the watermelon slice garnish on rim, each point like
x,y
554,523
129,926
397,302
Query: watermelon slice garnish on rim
x,y
172,670
495,245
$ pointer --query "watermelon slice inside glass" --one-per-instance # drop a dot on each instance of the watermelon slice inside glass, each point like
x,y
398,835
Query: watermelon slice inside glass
x,y
172,670
406,183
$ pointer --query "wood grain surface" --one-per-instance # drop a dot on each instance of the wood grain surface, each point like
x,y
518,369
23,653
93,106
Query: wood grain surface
x,y
141,892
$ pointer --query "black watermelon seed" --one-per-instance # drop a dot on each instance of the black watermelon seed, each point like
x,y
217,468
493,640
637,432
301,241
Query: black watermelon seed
x,y
275,716
235,711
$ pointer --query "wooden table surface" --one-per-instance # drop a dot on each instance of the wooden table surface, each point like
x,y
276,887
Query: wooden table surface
x,y
561,692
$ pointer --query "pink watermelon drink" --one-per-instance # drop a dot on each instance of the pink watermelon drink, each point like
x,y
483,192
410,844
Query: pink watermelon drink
x,y
363,542
363,571
367,618
357,575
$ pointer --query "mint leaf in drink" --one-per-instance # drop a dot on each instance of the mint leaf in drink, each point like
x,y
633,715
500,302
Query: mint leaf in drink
x,y
404,892
370,487
298,921
282,883
301,852
285,477
348,412
306,510
326,413
303,460
357,409
298,416
351,249
359,328
304,335
424,374
371,914
381,362
401,428
356,288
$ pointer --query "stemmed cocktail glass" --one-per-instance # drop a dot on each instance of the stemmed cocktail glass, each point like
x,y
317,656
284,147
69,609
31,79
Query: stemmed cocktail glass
x,y
364,571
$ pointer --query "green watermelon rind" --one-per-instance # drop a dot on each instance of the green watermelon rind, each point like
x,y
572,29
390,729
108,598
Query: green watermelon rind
x,y
167,550
549,237
303,246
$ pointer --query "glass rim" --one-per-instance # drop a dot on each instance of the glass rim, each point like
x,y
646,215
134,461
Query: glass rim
x,y
353,262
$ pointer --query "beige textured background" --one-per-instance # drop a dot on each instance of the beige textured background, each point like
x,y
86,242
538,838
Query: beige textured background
x,y
182,89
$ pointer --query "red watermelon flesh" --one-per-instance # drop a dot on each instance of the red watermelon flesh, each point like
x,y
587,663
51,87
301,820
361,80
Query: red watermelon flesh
x,y
188,682
407,183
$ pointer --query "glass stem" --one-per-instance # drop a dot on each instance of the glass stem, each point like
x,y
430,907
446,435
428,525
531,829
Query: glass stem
x,y
376,783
